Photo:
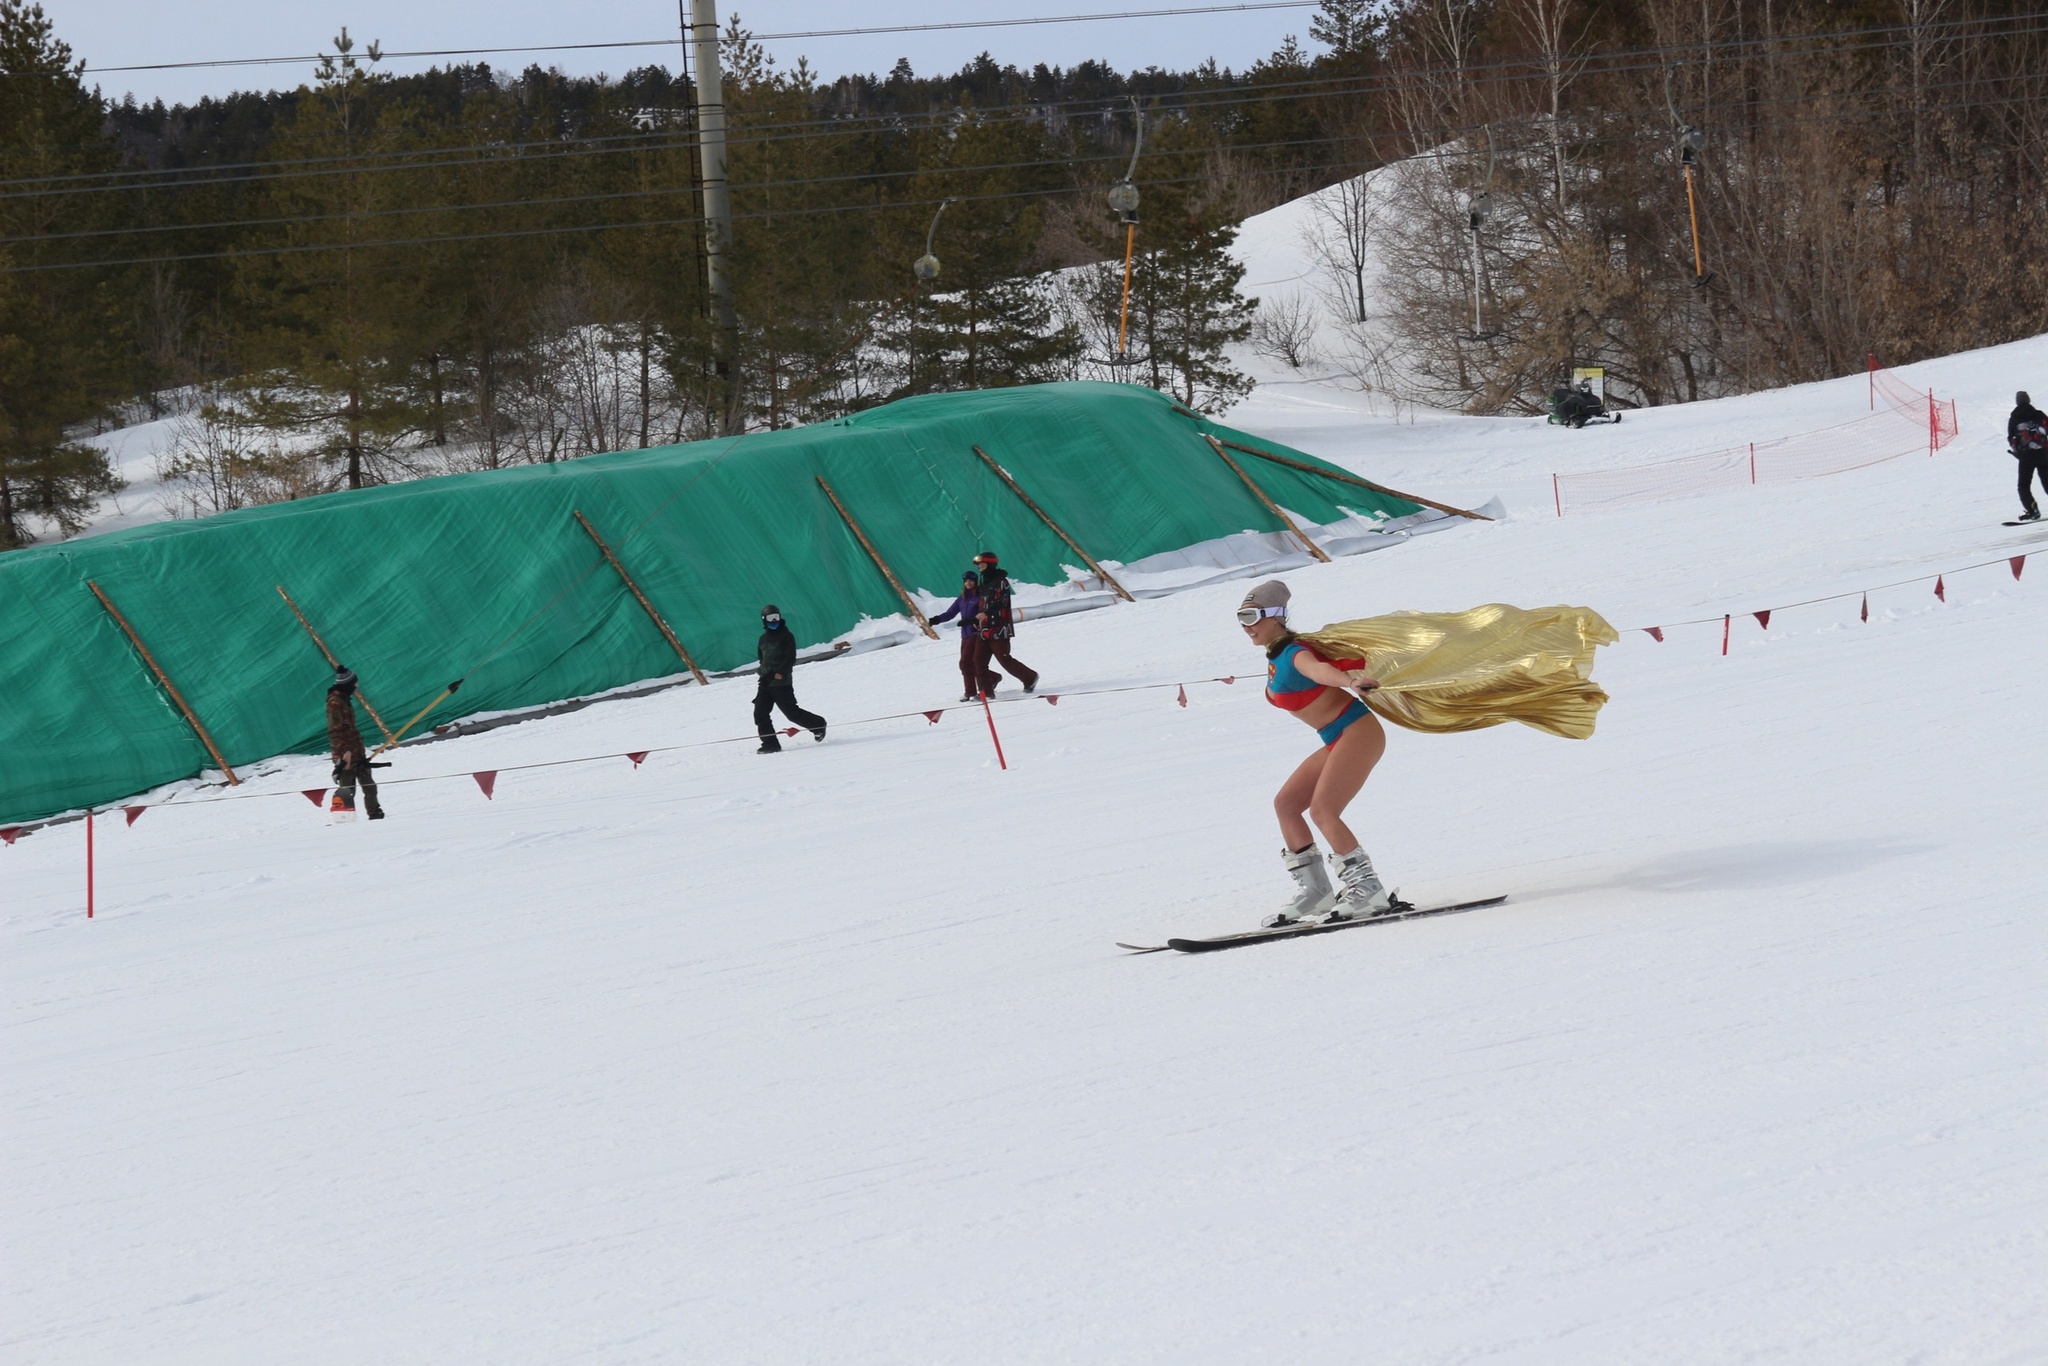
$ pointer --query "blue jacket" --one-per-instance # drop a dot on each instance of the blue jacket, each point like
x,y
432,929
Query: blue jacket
x,y
964,607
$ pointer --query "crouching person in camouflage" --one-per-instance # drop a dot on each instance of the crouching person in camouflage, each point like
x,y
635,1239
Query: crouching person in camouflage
x,y
345,743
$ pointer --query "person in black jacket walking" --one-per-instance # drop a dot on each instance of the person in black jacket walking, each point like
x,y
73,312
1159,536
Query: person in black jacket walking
x,y
778,662
2026,435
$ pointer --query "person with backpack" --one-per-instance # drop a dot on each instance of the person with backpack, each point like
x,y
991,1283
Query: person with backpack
x,y
995,623
2026,435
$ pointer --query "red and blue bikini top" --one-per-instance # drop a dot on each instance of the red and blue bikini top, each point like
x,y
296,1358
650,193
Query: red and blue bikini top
x,y
1288,687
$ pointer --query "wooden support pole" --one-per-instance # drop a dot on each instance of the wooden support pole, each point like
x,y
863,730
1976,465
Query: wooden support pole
x,y
190,718
329,655
880,563
419,716
1271,506
1343,478
634,588
1072,544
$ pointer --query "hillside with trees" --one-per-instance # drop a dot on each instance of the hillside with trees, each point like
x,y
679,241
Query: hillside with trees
x,y
375,277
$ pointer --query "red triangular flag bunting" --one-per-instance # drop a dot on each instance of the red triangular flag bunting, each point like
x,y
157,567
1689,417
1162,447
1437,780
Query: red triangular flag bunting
x,y
1231,679
789,730
487,780
1183,695
133,812
315,795
2018,562
9,833
933,716
1866,607
1052,699
1763,618
1939,590
1655,633
636,758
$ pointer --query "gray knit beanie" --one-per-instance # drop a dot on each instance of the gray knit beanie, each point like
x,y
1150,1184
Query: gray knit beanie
x,y
1271,593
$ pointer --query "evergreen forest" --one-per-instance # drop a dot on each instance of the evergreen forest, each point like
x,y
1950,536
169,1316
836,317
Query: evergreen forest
x,y
373,277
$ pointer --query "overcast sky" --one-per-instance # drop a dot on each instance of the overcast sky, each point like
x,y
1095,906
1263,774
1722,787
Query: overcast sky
x,y
108,33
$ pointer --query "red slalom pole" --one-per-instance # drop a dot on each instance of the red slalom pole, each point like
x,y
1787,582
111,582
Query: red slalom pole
x,y
88,863
985,711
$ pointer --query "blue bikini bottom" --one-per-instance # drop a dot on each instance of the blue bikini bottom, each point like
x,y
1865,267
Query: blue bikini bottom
x,y
1342,723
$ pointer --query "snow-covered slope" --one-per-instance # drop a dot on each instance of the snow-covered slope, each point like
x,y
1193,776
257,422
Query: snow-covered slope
x,y
829,1056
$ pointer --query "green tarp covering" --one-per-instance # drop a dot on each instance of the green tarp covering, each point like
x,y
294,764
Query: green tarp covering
x,y
488,577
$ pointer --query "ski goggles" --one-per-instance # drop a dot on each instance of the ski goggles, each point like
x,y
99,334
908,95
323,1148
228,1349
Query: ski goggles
x,y
1252,616
775,617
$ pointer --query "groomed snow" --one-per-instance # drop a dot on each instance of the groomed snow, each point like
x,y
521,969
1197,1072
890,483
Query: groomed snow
x,y
829,1057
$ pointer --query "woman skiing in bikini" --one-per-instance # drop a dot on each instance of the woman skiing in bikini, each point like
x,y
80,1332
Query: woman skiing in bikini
x,y
1318,690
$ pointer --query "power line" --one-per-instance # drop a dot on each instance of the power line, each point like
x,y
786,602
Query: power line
x,y
1444,133
750,37
1616,62
693,220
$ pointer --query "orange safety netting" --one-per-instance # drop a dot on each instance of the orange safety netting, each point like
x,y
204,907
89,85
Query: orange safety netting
x,y
1846,446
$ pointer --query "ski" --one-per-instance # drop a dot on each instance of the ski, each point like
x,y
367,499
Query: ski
x,y
1402,911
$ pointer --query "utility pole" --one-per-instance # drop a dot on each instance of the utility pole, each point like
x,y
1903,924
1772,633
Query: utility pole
x,y
702,24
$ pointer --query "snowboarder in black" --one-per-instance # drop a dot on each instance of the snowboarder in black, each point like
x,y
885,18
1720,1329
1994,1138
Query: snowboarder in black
x,y
778,662
995,622
2026,435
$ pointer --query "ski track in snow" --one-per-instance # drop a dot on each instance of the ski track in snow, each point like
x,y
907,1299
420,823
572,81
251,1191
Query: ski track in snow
x,y
829,1057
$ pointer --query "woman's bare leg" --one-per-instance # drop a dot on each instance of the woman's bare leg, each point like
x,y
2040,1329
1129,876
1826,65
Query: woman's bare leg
x,y
1292,801
1350,762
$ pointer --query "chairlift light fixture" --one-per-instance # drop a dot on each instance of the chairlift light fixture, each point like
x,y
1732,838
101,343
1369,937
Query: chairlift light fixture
x,y
926,267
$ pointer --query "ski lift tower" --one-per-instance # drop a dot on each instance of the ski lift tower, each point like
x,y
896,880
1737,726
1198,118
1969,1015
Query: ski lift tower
x,y
1123,199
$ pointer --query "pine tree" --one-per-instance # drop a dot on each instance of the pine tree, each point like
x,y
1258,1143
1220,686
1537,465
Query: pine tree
x,y
61,327
1348,27
1185,304
986,323
341,314
800,260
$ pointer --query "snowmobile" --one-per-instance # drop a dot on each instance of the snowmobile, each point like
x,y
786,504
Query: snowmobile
x,y
1574,405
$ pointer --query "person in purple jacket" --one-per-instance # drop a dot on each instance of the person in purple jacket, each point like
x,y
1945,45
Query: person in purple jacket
x,y
974,678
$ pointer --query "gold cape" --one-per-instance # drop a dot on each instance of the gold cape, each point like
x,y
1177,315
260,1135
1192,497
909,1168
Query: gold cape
x,y
1451,671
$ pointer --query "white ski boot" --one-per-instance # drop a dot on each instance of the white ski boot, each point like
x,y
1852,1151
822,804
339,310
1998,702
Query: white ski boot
x,y
1316,896
1363,897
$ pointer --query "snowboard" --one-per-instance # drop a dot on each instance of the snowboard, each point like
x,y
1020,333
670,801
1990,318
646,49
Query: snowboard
x,y
2030,521
1401,910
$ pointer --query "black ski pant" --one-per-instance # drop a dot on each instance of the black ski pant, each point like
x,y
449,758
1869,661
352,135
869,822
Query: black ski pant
x,y
345,780
998,651
780,692
2030,466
